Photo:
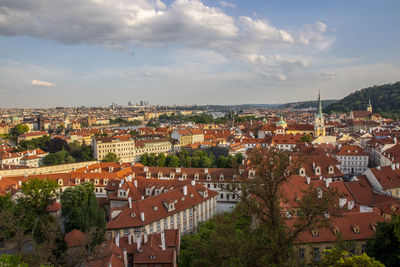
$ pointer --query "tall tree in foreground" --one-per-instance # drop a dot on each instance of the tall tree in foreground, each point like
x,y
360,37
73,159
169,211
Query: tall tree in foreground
x,y
81,210
269,239
263,196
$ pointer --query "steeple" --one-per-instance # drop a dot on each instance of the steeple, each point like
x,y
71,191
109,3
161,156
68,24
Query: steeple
x,y
369,108
319,111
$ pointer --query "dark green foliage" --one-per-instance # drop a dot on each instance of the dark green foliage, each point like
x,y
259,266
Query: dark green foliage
x,y
81,210
55,158
385,99
57,144
81,152
123,122
111,157
384,245
41,143
306,138
306,104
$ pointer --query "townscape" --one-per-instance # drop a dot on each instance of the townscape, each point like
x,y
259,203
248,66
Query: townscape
x,y
199,133
156,184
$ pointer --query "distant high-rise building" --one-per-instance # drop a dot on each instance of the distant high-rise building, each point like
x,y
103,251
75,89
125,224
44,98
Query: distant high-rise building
x,y
129,103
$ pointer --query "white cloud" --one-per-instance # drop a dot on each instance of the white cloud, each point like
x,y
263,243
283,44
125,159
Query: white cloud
x,y
125,24
42,83
226,4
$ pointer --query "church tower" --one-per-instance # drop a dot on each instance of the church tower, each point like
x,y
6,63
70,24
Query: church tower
x,y
319,123
369,108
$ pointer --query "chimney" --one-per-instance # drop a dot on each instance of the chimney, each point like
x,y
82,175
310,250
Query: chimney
x,y
350,204
163,240
145,239
145,169
395,140
135,183
130,202
378,168
142,216
138,242
20,183
308,180
117,239
125,258
130,239
185,190
393,167
397,167
327,182
178,170
313,165
205,170
193,182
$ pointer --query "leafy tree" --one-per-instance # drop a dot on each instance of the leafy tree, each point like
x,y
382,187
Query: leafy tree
x,y
161,160
306,138
55,158
19,129
11,261
111,157
172,161
339,257
144,159
81,210
69,159
58,144
37,194
384,245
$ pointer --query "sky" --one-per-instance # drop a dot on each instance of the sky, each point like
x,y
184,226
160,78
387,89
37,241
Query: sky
x,y
96,52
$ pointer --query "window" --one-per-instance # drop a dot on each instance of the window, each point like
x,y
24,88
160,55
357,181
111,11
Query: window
x,y
301,253
158,226
126,232
316,254
151,228
221,196
165,224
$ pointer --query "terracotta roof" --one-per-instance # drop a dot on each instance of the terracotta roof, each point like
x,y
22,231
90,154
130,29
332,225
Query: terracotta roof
x,y
387,177
53,207
75,238
352,150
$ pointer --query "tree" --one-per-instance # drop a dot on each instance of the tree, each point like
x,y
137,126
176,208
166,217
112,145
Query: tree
x,y
172,161
81,210
58,144
306,138
144,159
384,245
55,158
339,257
19,129
161,160
11,261
37,194
263,195
111,157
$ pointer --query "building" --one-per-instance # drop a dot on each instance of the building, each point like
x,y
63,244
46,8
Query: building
x,y
353,159
122,146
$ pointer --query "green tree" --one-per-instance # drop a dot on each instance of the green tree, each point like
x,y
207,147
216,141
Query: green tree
x,y
111,157
19,129
306,138
144,159
81,210
161,160
11,261
338,257
172,161
55,158
384,245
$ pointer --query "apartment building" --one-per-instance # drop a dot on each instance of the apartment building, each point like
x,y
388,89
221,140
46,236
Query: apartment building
x,y
123,146
353,159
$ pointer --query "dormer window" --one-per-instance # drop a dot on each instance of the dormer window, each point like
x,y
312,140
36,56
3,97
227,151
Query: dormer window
x,y
314,232
196,176
252,173
96,181
172,175
155,208
148,175
356,228
234,177
105,181
318,170
77,181
60,181
302,172
184,176
145,169
330,169
87,180
159,174
221,177
336,230
373,226
121,193
208,177
133,215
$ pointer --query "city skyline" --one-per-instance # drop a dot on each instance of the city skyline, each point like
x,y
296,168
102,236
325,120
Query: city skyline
x,y
95,53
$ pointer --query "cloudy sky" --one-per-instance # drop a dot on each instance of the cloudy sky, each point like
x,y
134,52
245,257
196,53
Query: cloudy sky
x,y
95,52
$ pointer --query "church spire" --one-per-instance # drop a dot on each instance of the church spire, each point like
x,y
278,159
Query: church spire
x,y
319,111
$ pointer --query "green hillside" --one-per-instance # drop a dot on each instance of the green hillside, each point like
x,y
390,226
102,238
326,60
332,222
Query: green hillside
x,y
306,104
385,99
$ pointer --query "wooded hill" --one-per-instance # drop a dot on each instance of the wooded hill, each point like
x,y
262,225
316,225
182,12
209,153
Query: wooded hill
x,y
385,99
306,104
